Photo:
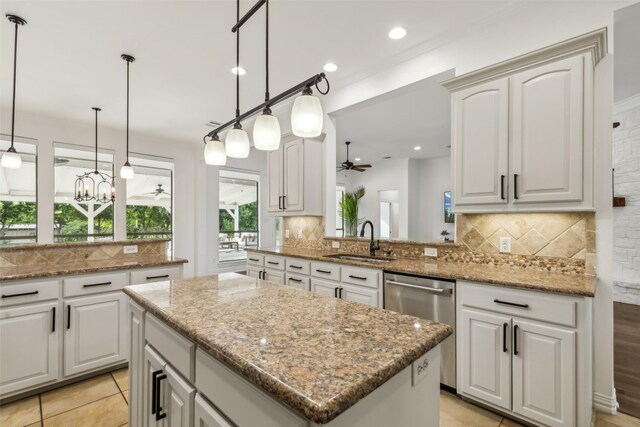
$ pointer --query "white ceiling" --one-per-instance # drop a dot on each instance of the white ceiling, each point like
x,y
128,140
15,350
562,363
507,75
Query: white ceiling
x,y
69,53
394,123
627,57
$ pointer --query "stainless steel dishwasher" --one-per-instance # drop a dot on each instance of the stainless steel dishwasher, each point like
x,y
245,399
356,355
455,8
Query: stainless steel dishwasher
x,y
431,299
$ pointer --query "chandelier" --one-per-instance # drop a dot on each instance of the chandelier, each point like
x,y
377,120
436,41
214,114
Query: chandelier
x,y
306,114
95,185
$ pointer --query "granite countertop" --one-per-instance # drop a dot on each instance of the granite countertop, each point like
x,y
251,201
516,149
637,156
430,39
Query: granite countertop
x,y
317,355
82,267
514,277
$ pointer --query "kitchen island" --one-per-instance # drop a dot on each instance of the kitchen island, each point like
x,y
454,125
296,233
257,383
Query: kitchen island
x,y
235,350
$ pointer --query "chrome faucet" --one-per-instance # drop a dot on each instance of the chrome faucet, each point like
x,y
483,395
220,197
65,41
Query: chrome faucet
x,y
373,247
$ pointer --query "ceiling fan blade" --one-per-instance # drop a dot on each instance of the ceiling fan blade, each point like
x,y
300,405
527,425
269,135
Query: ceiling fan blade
x,y
361,166
340,169
358,169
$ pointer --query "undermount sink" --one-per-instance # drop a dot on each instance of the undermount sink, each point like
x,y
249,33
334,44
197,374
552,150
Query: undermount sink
x,y
359,258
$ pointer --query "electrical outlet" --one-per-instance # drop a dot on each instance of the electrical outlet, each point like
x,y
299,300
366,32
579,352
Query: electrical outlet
x,y
300,233
335,245
286,233
131,249
505,245
431,252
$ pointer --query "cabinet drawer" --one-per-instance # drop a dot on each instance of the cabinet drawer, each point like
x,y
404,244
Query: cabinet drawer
x,y
274,262
175,348
255,259
325,271
93,284
27,292
298,266
158,274
550,308
296,281
361,277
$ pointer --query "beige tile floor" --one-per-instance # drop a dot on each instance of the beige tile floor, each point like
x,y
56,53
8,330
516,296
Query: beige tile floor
x,y
102,402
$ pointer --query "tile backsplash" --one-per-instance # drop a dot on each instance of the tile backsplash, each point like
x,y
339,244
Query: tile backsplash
x,y
64,253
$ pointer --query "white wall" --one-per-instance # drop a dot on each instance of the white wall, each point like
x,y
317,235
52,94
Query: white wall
x,y
434,179
626,220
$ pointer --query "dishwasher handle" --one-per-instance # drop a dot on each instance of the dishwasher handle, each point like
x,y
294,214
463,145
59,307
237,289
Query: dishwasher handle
x,y
444,292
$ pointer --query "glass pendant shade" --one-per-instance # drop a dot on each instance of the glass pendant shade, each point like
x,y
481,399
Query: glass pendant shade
x,y
126,171
306,116
266,132
237,143
214,153
11,159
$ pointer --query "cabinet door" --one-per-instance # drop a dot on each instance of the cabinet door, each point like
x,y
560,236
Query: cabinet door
x,y
547,132
361,295
481,144
28,346
294,175
544,383
207,416
325,288
274,276
254,272
95,333
136,363
179,398
485,355
153,366
275,173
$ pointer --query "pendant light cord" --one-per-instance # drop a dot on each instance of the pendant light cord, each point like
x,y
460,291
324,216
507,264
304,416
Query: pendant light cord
x,y
127,111
266,93
96,109
238,62
13,105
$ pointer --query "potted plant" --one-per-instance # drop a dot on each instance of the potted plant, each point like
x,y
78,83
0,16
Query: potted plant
x,y
349,210
445,235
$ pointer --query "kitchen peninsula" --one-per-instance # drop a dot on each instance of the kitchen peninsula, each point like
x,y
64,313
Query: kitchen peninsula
x,y
236,350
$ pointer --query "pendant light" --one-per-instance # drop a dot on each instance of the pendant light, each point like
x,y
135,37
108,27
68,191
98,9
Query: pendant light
x,y
266,129
10,158
86,189
306,115
214,152
126,171
237,139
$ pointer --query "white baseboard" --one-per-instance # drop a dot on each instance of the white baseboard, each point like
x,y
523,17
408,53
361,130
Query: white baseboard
x,y
607,404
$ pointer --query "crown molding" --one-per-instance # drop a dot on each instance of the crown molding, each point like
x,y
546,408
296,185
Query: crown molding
x,y
594,43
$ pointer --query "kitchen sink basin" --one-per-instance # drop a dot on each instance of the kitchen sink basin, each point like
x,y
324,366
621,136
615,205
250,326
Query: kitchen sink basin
x,y
359,258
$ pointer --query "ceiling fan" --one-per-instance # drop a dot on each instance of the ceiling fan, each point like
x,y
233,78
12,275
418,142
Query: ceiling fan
x,y
159,193
349,165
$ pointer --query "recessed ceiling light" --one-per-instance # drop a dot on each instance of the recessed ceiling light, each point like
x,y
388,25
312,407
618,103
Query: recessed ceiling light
x,y
358,159
386,157
239,71
397,33
330,67
417,148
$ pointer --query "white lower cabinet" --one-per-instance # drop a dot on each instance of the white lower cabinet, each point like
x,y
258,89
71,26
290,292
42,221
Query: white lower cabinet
x,y
136,363
254,272
275,276
95,332
206,415
357,294
29,343
179,398
152,400
518,355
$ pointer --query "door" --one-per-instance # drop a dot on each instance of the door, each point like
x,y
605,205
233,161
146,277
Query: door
x,y
329,289
485,354
274,276
361,295
254,272
481,144
275,173
28,346
294,175
547,132
207,416
95,332
153,395
179,398
544,383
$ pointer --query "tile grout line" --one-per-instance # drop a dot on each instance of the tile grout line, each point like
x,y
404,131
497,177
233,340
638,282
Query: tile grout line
x,y
120,389
78,407
41,413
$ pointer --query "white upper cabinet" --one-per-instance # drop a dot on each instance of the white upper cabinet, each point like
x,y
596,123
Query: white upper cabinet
x,y
547,124
481,144
295,177
522,131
